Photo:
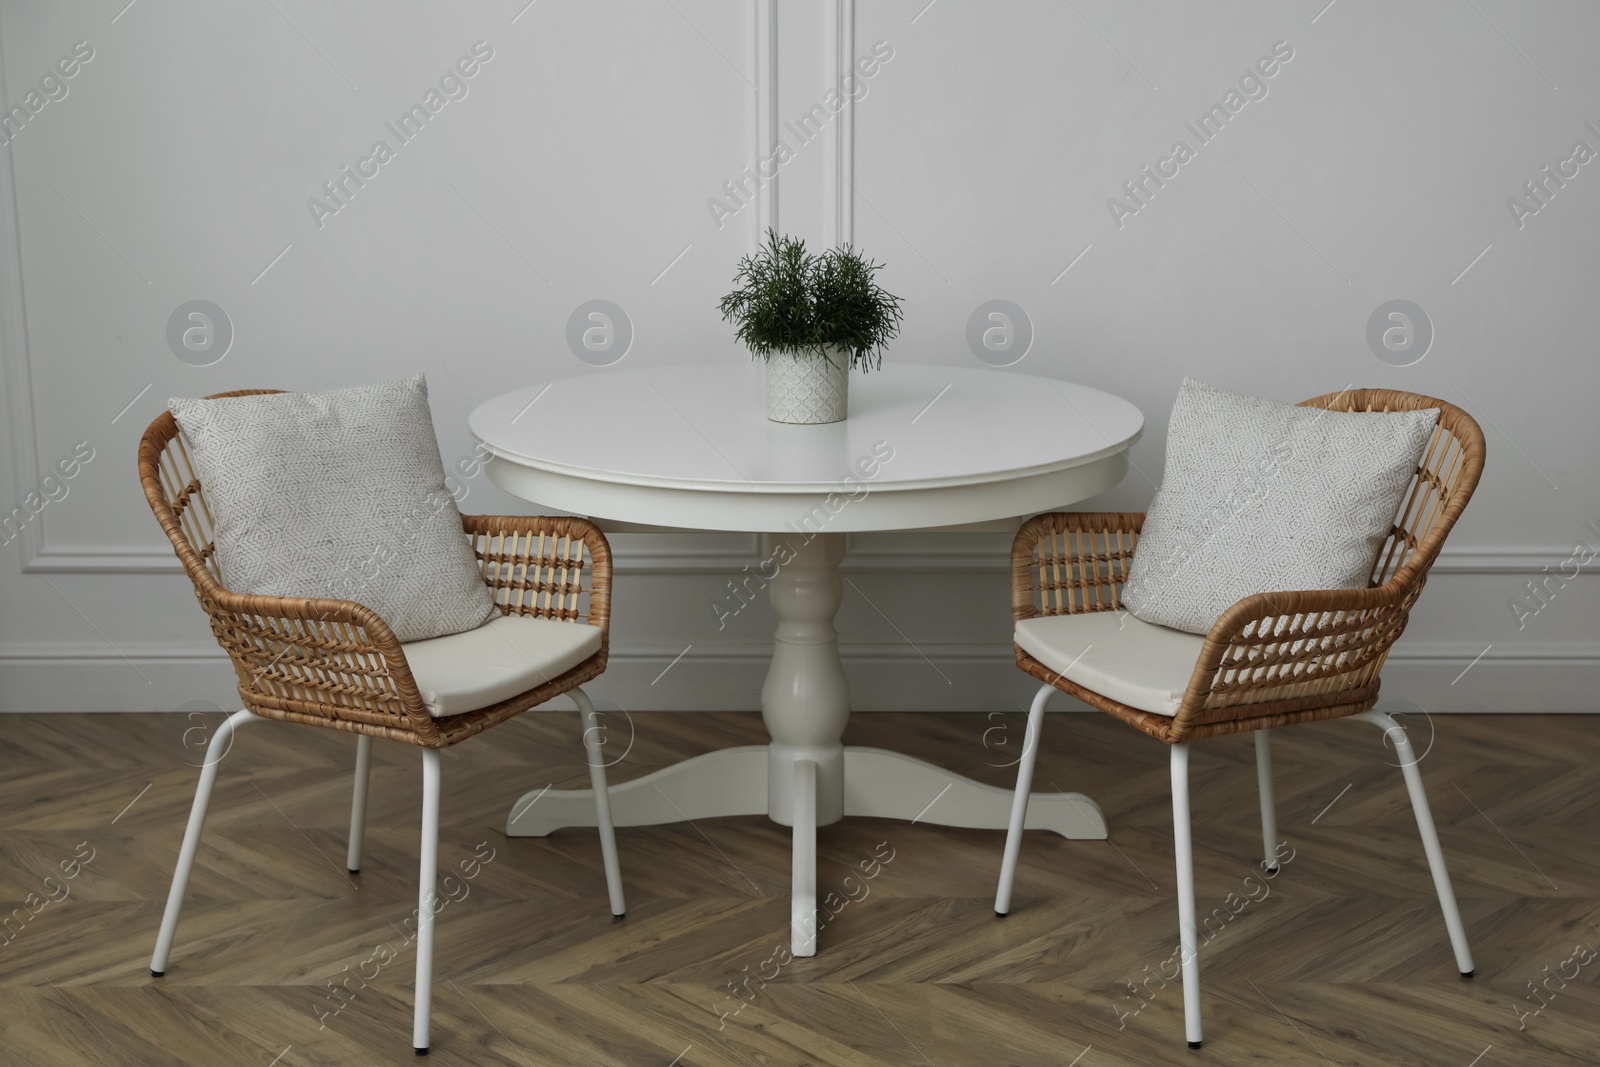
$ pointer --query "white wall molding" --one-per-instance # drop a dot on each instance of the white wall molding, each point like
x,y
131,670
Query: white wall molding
x,y
14,362
55,561
839,197
1500,560
983,558
766,117
678,559
38,557
690,560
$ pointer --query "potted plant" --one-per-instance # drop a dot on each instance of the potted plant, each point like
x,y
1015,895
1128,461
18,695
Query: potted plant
x,y
811,318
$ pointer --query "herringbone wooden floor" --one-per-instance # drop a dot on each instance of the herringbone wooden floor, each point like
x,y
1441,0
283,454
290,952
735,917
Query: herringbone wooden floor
x,y
1344,962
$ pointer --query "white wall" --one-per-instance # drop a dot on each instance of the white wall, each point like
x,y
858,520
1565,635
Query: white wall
x,y
978,164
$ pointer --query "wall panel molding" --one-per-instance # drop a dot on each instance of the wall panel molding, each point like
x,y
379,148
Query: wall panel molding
x,y
839,197
766,119
14,361
38,556
688,560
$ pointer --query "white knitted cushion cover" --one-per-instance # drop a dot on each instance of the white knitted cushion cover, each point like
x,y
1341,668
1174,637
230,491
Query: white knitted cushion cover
x,y
1263,497
338,494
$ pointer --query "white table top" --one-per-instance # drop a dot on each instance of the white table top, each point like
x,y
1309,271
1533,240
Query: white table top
x,y
690,447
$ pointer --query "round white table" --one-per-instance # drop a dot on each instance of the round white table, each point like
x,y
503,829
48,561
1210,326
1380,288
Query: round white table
x,y
690,448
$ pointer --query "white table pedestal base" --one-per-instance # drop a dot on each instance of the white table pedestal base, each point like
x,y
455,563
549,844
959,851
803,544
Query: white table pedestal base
x,y
805,777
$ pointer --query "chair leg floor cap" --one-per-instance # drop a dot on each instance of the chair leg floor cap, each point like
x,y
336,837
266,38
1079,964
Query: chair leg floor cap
x,y
422,1052
999,915
1469,974
1194,1044
156,974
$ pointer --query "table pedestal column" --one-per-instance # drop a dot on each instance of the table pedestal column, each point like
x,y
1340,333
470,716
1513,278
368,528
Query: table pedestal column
x,y
805,703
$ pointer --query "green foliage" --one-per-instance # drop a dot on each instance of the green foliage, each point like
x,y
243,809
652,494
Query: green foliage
x,y
789,300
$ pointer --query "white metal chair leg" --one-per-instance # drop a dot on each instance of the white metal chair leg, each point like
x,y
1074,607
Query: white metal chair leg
x,y
426,900
217,748
1187,934
1430,836
1269,811
1019,802
358,801
602,799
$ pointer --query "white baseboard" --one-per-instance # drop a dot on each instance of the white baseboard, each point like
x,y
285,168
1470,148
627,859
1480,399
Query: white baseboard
x,y
1549,678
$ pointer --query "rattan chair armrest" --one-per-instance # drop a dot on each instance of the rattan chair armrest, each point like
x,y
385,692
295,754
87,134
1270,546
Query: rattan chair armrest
x,y
318,659
1294,651
1070,562
536,565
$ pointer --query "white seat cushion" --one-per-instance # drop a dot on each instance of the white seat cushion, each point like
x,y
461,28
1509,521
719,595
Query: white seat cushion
x,y
1116,655
509,655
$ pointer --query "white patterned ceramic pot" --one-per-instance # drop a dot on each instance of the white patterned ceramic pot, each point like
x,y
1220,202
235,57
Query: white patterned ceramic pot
x,y
806,388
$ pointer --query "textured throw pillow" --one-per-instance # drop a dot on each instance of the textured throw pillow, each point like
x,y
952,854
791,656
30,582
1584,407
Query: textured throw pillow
x,y
338,494
1263,497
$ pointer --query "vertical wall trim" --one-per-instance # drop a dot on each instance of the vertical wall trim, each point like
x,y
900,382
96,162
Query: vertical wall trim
x,y
832,57
841,201
766,110
14,358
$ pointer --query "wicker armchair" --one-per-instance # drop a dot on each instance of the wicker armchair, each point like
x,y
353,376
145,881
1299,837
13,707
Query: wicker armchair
x,y
1271,660
334,663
